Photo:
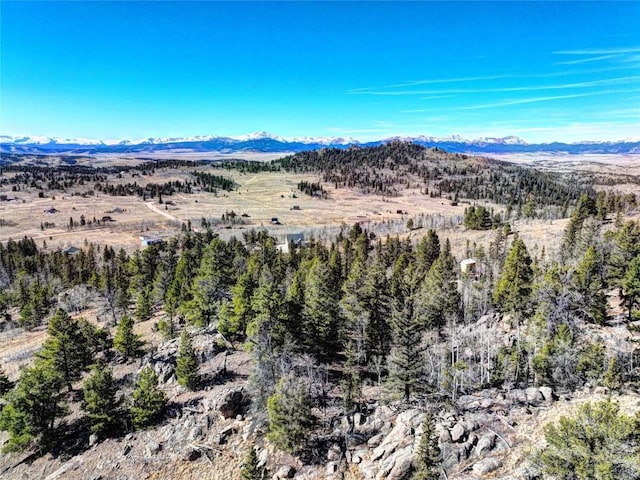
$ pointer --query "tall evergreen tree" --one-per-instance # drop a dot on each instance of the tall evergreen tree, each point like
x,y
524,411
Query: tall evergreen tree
x,y
354,305
631,285
143,305
33,407
5,383
321,312
212,283
100,400
513,289
378,328
405,363
350,385
126,342
427,251
428,457
187,363
148,400
66,348
290,418
438,297
590,284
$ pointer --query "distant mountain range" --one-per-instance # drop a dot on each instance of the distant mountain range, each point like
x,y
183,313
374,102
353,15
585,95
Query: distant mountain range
x,y
266,142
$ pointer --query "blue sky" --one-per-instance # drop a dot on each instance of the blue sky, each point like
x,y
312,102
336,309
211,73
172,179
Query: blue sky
x,y
543,71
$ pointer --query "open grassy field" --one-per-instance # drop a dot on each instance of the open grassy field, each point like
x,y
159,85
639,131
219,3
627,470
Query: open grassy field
x,y
261,197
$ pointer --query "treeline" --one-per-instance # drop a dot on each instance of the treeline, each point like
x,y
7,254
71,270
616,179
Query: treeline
x,y
312,189
149,190
380,311
247,166
387,169
211,183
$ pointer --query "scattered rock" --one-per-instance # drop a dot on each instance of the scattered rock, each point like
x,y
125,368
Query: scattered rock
x,y
152,448
457,432
286,471
263,457
224,435
192,454
402,464
334,453
487,465
375,440
517,396
485,444
195,433
534,397
547,393
233,403
445,436
93,439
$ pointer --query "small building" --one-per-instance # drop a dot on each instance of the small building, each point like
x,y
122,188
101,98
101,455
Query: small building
x,y
296,238
295,207
399,212
107,218
469,265
274,221
71,250
146,241
51,211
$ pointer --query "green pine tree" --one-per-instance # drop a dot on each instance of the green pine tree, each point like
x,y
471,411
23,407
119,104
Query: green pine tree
x,y
33,407
66,348
148,400
187,363
631,285
321,311
513,289
428,456
290,418
143,306
598,442
351,383
126,342
5,383
251,470
100,401
427,251
405,362
438,297
589,282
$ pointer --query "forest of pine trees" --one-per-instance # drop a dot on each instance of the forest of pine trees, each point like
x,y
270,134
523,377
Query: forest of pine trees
x,y
385,310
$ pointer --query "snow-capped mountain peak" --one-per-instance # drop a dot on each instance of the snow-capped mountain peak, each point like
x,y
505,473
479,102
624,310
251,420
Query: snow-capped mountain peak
x,y
267,142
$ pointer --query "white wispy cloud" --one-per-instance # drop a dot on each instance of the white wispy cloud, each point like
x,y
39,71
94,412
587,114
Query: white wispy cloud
x,y
432,81
599,51
431,94
522,101
590,59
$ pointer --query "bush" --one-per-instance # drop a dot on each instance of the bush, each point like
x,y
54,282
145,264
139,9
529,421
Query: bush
x,y
597,443
148,400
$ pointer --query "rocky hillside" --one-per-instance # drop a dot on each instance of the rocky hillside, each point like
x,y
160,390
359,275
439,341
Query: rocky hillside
x,y
207,434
